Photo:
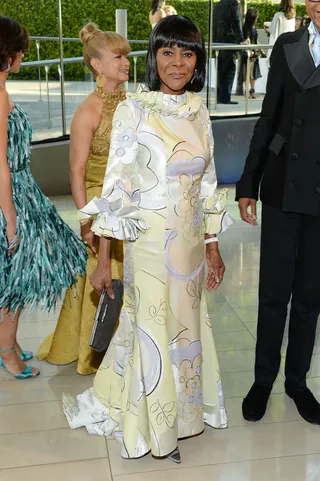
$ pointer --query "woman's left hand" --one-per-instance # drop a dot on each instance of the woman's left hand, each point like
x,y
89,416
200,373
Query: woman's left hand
x,y
216,267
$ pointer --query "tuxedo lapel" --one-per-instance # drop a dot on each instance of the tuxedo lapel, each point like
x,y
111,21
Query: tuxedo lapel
x,y
301,63
313,80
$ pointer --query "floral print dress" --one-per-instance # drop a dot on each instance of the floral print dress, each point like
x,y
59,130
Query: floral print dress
x,y
159,381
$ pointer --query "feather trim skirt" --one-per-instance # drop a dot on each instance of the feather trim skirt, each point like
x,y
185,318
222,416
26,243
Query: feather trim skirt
x,y
49,256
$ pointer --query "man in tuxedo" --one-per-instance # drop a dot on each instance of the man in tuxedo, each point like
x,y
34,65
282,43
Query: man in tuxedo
x,y
285,154
227,29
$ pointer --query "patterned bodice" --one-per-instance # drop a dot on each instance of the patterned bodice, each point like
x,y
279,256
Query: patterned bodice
x,y
99,148
19,140
101,140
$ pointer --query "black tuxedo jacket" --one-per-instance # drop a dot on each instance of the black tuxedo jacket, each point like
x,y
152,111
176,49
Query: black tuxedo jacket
x,y
284,154
227,22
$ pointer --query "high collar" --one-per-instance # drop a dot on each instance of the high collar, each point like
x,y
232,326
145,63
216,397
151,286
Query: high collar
x,y
180,106
312,29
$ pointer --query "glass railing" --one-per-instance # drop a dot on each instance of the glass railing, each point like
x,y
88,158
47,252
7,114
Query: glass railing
x,y
42,87
245,103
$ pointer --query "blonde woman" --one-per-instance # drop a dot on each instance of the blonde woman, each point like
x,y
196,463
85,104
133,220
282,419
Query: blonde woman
x,y
105,54
170,10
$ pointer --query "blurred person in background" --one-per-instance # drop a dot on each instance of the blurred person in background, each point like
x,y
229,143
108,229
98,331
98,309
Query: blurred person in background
x,y
170,10
283,21
298,22
251,35
227,29
105,55
157,12
266,27
305,21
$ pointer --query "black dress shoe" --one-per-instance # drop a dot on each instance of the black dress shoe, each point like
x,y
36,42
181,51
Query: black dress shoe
x,y
230,102
255,404
307,405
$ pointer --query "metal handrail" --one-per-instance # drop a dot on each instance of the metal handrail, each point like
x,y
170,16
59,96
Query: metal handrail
x,y
216,47
222,46
76,39
235,46
57,61
53,61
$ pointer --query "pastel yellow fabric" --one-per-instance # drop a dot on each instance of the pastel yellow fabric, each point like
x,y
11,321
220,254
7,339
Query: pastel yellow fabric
x,y
159,380
70,341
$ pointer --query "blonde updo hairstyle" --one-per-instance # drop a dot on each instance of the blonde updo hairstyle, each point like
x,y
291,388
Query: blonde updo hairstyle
x,y
94,41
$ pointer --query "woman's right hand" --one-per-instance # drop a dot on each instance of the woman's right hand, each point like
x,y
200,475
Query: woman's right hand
x,y
102,279
88,237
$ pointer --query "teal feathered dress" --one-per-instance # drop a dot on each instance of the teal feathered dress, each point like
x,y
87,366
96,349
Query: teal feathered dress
x,y
49,256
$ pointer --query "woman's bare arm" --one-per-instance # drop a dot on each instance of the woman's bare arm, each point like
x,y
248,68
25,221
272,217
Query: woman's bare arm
x,y
6,199
84,124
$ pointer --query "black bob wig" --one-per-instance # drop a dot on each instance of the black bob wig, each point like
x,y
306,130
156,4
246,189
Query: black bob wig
x,y
180,31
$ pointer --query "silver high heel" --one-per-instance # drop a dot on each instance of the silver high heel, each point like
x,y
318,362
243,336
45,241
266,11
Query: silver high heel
x,y
175,456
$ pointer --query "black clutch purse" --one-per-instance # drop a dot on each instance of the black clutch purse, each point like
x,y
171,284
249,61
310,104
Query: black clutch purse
x,y
106,318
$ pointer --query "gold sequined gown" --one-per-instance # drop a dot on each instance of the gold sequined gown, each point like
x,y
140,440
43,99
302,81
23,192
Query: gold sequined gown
x,y
70,341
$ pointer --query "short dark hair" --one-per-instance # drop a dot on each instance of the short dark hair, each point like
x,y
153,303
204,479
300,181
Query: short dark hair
x,y
182,32
14,38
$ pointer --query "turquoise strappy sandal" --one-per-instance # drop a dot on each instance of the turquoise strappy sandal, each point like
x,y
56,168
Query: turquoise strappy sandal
x,y
26,356
27,373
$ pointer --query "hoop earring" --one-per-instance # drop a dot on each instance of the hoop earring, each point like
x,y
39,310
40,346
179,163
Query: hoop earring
x,y
194,76
101,81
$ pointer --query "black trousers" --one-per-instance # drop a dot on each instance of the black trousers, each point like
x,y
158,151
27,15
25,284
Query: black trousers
x,y
289,268
226,74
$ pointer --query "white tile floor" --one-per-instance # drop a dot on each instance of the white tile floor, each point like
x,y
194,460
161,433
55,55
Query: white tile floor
x,y
36,443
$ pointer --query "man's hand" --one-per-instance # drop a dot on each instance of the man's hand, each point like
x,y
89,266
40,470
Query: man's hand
x,y
244,204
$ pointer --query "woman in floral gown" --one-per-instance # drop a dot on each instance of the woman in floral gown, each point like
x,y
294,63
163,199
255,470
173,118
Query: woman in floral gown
x,y
159,381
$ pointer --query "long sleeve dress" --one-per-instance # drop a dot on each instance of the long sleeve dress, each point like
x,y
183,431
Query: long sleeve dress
x,y
160,379
280,24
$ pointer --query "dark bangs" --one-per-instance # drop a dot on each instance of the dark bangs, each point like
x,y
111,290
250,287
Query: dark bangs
x,y
179,31
14,38
176,31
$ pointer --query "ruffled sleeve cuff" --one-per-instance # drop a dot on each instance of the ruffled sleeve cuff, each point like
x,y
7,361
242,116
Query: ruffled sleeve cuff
x,y
216,218
116,219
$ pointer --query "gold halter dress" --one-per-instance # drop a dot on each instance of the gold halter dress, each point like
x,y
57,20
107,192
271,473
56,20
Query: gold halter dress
x,y
70,341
